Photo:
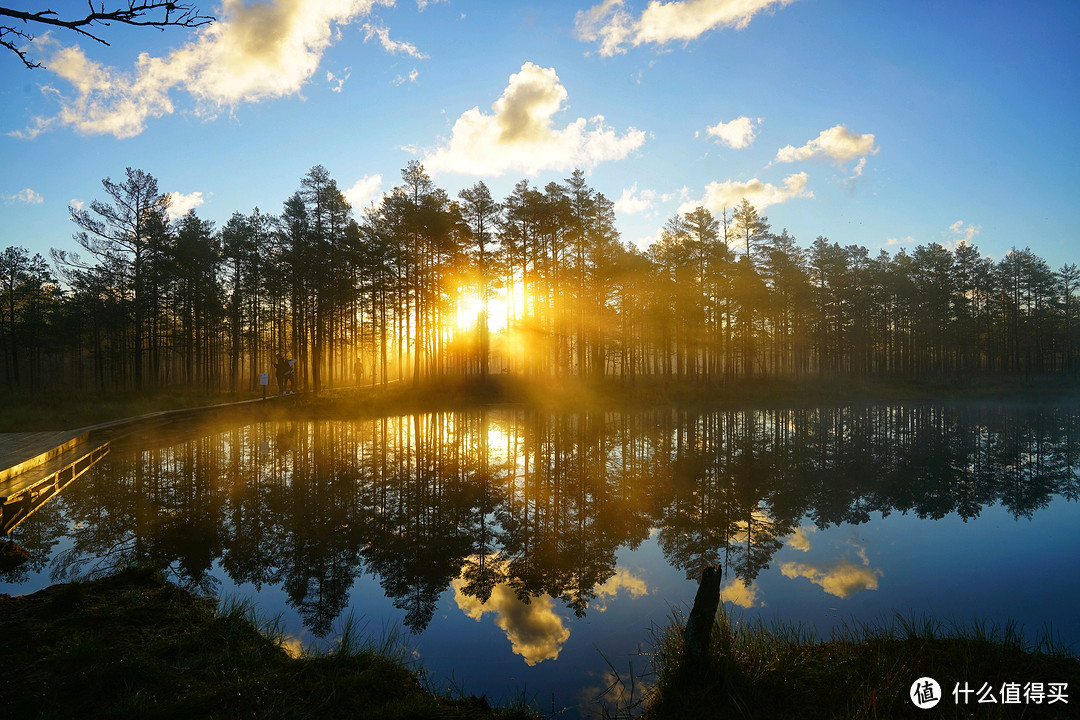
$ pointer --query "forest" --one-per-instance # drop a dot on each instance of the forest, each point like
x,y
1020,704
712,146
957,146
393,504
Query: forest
x,y
423,286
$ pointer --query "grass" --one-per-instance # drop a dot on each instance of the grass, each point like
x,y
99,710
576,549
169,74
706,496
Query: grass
x,y
133,645
759,670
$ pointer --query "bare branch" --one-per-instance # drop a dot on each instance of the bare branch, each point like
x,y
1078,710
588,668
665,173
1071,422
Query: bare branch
x,y
10,44
140,14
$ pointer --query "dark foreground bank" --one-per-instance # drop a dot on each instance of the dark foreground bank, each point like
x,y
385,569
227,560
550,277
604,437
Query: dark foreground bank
x,y
759,670
135,646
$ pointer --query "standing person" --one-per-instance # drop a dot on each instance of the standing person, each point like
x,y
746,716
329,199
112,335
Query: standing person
x,y
281,368
290,374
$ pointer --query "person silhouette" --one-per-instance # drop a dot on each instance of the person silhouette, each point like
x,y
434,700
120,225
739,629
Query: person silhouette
x,y
281,370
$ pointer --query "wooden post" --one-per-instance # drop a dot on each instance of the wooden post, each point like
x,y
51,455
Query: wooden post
x,y
699,626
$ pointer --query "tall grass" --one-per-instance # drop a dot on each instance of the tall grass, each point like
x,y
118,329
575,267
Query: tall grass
x,y
864,670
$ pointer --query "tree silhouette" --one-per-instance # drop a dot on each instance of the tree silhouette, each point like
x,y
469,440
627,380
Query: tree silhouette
x,y
158,15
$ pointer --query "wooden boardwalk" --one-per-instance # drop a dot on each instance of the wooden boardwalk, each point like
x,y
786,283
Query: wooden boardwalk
x,y
20,452
35,466
24,493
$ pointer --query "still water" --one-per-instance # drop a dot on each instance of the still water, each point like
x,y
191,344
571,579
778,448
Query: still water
x,y
529,554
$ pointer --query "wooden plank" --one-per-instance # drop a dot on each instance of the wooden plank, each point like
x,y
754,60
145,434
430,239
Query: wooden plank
x,y
21,452
40,474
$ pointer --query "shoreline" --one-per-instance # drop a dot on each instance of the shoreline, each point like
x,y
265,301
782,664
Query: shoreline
x,y
65,411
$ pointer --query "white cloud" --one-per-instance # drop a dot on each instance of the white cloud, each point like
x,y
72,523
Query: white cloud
x,y
632,201
26,196
738,133
647,241
256,51
899,241
77,204
393,47
760,194
413,74
682,194
331,78
519,134
180,204
365,191
837,143
612,27
964,233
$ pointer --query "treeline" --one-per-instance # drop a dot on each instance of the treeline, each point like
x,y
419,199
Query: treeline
x,y
423,285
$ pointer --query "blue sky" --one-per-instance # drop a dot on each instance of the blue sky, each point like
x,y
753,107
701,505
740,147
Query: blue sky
x,y
886,125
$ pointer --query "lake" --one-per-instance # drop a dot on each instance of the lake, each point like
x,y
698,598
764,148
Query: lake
x,y
528,554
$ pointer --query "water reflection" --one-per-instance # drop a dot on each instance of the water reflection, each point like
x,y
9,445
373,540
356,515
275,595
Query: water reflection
x,y
519,512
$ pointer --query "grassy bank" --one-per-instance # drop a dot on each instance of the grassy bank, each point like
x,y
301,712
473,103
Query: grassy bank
x,y
772,671
134,646
66,410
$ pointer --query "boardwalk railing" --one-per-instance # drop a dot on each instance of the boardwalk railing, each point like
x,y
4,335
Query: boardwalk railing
x,y
23,494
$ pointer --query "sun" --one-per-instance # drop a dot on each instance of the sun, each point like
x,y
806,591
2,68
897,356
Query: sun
x,y
470,306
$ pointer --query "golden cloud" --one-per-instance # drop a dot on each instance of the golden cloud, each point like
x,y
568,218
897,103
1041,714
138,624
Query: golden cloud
x,y
621,581
800,539
842,579
535,632
737,592
256,51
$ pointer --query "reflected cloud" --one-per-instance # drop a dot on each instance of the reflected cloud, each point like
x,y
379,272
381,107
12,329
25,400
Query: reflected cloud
x,y
737,592
292,646
800,539
842,579
621,580
616,691
535,632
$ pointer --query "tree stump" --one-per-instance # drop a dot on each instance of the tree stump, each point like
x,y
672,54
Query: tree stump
x,y
699,626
